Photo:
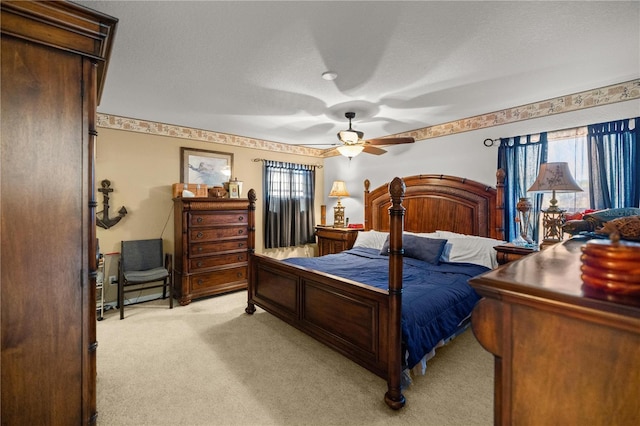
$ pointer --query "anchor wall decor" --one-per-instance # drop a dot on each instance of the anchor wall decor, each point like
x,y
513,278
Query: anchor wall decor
x,y
102,218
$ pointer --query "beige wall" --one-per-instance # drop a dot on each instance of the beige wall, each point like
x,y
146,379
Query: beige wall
x,y
142,169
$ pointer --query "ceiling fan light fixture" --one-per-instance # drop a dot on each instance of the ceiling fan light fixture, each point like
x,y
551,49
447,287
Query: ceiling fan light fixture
x,y
350,151
348,136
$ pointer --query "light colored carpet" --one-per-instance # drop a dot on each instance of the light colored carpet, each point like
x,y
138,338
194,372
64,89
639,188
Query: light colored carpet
x,y
209,363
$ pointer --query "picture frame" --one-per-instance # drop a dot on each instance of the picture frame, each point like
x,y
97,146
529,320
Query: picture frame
x,y
234,190
201,166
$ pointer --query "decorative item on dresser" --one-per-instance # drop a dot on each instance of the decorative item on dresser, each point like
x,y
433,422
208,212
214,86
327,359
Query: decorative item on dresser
x,y
334,240
563,354
612,266
213,240
524,223
364,321
54,60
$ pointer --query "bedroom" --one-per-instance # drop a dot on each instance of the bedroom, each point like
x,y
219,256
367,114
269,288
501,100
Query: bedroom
x,y
142,181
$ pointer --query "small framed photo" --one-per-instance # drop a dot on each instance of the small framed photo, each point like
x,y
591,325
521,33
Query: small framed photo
x,y
205,167
234,190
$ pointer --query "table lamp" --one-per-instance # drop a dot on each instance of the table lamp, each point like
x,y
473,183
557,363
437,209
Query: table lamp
x,y
553,177
338,189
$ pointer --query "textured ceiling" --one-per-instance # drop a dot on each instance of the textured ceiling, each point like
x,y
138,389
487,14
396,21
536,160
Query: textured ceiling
x,y
254,68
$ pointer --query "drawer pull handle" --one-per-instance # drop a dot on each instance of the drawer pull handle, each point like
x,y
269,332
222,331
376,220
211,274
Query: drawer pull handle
x,y
240,257
239,274
240,244
241,231
240,218
199,264
199,235
199,220
199,248
200,281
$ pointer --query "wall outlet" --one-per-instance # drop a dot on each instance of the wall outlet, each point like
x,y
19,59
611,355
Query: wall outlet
x,y
113,279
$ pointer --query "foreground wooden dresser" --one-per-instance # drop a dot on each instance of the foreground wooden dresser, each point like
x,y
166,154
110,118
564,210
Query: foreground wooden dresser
x,y
54,57
562,354
213,240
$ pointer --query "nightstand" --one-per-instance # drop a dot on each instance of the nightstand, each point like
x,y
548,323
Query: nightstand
x,y
334,240
506,253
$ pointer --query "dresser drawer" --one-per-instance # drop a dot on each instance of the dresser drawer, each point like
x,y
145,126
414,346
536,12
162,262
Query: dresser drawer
x,y
218,219
202,263
217,247
205,282
213,234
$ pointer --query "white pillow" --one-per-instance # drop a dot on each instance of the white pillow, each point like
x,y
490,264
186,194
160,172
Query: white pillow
x,y
424,234
469,249
371,239
447,234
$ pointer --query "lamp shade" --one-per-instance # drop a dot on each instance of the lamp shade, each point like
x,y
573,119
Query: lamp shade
x,y
350,150
554,177
339,189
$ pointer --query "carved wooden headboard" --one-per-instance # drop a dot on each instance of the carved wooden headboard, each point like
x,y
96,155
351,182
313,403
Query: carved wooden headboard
x,y
441,202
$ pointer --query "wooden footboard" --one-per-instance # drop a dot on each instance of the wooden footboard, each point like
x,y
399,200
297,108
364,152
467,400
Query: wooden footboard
x,y
347,316
357,320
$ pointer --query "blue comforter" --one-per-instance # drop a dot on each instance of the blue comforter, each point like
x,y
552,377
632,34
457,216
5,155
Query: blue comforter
x,y
435,298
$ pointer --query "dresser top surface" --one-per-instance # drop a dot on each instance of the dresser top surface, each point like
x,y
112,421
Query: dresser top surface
x,y
553,274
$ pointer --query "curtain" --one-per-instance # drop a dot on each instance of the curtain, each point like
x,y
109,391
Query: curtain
x,y
289,208
614,164
520,157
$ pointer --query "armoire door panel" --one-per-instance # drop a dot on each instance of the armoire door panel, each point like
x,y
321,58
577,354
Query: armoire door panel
x,y
42,234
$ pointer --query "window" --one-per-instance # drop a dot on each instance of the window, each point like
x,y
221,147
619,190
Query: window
x,y
289,204
571,147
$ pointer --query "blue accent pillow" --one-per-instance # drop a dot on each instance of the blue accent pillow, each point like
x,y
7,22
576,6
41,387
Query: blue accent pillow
x,y
421,248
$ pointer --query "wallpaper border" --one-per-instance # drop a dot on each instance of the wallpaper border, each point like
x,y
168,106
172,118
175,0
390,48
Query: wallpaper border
x,y
591,98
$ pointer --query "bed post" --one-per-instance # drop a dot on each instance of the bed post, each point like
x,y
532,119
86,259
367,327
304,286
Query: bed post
x,y
499,229
367,205
394,397
251,222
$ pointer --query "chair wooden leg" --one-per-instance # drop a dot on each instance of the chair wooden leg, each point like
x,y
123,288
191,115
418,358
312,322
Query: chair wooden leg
x,y
121,298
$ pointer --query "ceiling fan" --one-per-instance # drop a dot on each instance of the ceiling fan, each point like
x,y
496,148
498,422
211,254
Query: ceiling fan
x,y
353,143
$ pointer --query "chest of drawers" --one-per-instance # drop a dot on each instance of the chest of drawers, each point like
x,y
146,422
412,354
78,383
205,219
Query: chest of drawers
x,y
213,240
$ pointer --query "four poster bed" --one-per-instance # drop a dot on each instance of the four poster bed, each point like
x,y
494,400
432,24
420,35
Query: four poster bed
x,y
366,318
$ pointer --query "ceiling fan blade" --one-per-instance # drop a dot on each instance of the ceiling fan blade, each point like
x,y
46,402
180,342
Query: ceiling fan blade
x,y
390,141
370,149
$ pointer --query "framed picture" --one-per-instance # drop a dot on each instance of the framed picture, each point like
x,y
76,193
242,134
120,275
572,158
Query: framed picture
x,y
208,167
234,190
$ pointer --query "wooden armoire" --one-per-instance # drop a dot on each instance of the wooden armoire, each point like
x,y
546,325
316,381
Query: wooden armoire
x,y
54,58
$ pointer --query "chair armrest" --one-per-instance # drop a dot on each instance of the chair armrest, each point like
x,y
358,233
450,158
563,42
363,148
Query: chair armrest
x,y
168,262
